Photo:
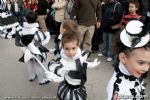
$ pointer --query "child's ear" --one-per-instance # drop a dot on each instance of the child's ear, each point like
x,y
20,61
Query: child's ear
x,y
122,58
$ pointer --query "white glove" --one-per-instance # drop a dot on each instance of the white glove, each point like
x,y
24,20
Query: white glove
x,y
52,77
84,58
51,50
93,64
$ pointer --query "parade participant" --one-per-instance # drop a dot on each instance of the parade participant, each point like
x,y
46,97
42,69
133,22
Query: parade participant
x,y
66,25
72,68
31,40
87,14
133,62
8,22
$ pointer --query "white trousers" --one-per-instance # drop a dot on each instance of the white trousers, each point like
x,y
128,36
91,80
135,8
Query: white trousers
x,y
35,69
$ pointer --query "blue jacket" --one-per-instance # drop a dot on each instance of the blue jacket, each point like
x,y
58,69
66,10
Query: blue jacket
x,y
112,15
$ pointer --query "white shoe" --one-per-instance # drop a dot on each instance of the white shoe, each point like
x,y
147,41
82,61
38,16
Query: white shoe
x,y
109,59
32,78
100,54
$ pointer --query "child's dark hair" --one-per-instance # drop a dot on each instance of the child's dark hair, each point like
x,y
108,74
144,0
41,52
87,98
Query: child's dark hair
x,y
31,17
69,24
127,51
70,36
135,2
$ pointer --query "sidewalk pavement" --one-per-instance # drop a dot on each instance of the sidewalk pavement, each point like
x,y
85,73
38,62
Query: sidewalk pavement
x,y
14,84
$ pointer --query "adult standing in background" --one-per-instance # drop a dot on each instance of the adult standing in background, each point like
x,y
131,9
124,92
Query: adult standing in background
x,y
145,10
42,9
125,5
69,9
60,7
112,16
17,8
87,15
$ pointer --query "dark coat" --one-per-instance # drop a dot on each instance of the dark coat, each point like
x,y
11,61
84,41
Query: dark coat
x,y
42,7
85,11
111,16
144,7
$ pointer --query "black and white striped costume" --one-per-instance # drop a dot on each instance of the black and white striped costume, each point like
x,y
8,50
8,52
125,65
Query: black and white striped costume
x,y
31,40
125,85
30,33
73,71
8,22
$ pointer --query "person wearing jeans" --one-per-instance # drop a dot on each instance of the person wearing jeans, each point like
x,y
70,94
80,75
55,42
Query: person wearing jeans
x,y
112,15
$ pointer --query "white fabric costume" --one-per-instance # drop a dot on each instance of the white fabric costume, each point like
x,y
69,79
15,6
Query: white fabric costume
x,y
73,72
31,42
8,22
125,85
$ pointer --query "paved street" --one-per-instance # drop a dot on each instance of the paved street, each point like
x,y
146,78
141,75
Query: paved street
x,y
14,84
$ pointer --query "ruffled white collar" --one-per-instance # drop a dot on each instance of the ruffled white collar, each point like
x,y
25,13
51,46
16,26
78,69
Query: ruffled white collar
x,y
123,69
27,25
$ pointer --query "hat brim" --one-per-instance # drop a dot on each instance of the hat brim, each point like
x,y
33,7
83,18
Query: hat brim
x,y
126,39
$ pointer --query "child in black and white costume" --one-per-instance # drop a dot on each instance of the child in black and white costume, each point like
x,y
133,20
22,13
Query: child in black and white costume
x,y
8,22
72,68
133,62
66,25
31,40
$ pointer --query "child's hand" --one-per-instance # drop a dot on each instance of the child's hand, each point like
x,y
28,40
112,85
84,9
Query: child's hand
x,y
94,63
52,77
84,58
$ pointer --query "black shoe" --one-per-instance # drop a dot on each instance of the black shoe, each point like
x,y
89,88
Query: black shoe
x,y
46,82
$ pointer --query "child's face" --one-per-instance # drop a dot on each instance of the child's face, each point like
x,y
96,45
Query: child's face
x,y
132,8
137,62
70,48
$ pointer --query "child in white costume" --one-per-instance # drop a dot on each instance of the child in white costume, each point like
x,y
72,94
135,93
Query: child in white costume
x,y
31,40
72,68
8,22
133,62
66,25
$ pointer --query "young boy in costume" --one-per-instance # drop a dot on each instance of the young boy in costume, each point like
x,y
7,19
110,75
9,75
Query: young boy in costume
x,y
72,68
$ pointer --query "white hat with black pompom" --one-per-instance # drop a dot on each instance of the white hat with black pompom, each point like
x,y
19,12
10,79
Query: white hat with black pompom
x,y
135,34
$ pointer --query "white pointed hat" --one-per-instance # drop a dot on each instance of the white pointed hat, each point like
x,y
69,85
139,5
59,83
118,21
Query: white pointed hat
x,y
132,36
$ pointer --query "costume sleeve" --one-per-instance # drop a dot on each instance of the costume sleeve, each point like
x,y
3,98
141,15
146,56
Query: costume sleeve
x,y
93,64
18,36
57,68
47,38
42,38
